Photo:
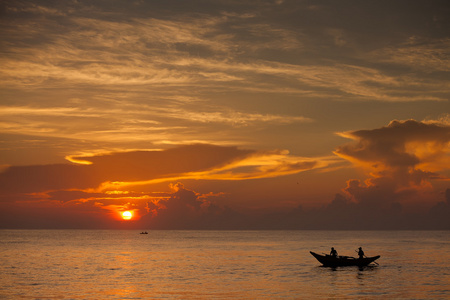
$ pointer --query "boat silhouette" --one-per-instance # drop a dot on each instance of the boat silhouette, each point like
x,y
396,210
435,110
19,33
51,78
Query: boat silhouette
x,y
341,261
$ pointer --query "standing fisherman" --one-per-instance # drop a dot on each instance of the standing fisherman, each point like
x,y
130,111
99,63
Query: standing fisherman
x,y
360,253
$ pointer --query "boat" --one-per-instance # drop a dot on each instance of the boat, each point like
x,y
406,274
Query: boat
x,y
340,261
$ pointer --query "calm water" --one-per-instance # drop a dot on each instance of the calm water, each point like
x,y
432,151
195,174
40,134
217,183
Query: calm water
x,y
111,264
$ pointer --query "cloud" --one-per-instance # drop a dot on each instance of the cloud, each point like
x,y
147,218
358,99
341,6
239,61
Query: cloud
x,y
86,196
186,209
89,77
198,162
439,214
106,181
124,166
134,123
417,53
344,214
36,179
402,160
105,184
400,147
180,208
211,50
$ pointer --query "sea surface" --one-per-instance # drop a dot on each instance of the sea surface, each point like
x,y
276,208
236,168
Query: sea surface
x,y
114,264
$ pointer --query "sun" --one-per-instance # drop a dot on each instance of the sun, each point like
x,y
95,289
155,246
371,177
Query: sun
x,y
127,215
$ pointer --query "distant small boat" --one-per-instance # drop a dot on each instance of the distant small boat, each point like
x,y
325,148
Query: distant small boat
x,y
340,261
144,232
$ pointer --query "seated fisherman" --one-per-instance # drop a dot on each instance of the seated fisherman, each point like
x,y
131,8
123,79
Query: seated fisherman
x,y
333,252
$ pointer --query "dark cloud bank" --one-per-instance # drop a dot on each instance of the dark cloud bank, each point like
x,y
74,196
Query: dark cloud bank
x,y
187,210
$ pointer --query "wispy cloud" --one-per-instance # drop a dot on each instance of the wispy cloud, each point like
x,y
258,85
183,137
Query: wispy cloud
x,y
417,54
138,122
209,52
257,166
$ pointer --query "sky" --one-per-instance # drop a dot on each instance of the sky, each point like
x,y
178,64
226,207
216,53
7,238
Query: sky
x,y
225,114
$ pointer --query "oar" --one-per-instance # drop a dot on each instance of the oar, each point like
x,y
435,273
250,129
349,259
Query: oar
x,y
375,263
367,257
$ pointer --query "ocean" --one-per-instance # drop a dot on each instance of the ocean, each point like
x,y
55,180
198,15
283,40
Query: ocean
x,y
116,264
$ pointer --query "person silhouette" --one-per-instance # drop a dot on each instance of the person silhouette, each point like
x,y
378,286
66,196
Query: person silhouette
x,y
360,253
333,252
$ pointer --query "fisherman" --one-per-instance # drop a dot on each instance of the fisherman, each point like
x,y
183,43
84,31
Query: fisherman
x,y
360,253
333,252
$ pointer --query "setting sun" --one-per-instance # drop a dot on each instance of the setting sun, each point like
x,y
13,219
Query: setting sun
x,y
127,215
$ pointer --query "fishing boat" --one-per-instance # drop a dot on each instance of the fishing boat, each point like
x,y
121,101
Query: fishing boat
x,y
340,261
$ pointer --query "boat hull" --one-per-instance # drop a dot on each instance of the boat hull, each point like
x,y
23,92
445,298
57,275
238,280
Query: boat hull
x,y
341,261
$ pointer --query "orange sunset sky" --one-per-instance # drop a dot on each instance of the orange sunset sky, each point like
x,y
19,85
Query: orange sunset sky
x,y
225,114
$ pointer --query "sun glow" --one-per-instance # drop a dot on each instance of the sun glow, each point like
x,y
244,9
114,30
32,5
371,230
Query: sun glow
x,y
127,215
